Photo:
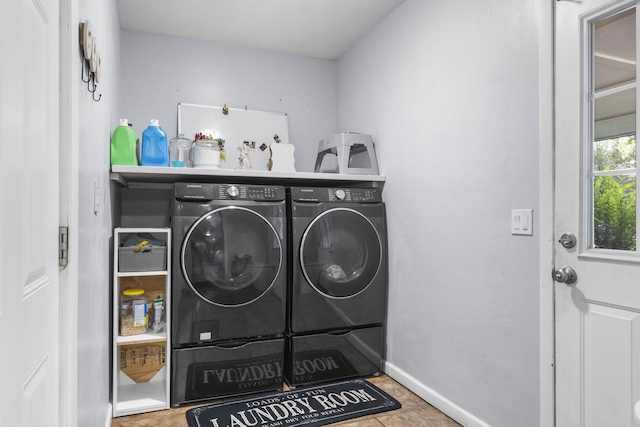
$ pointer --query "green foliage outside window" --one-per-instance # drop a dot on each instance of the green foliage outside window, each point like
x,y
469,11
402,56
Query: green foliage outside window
x,y
614,201
614,214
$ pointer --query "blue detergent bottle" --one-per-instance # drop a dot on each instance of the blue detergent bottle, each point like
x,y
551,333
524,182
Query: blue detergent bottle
x,y
155,150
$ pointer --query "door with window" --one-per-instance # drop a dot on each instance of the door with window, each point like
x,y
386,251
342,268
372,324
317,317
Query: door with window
x,y
597,264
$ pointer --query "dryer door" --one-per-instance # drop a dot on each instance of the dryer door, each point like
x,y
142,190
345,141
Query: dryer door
x,y
340,253
231,256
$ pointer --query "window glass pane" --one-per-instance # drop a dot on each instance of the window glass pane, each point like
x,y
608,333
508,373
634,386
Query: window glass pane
x,y
613,131
615,50
614,203
615,153
615,114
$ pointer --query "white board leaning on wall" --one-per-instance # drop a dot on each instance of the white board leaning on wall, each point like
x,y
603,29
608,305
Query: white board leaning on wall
x,y
267,135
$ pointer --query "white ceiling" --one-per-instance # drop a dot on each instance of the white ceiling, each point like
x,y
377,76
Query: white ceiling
x,y
317,28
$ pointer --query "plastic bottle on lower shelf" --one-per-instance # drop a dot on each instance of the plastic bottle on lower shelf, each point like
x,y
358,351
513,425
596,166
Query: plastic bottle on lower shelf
x,y
133,312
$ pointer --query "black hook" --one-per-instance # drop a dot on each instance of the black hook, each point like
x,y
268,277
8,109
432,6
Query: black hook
x,y
92,82
85,64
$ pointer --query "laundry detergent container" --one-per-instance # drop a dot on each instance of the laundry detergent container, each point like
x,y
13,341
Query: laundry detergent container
x,y
155,150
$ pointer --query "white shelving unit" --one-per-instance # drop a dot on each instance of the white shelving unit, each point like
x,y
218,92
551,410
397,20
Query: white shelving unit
x,y
141,389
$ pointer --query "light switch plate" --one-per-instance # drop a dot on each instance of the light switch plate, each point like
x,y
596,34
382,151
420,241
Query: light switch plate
x,y
522,222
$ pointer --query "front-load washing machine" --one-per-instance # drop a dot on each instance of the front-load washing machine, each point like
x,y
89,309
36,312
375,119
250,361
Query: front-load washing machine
x,y
228,290
337,297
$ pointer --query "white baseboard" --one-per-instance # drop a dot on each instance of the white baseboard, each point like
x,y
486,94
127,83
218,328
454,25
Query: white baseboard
x,y
107,422
433,398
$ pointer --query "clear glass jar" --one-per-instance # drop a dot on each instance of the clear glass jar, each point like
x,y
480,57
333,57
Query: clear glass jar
x,y
133,312
205,154
179,152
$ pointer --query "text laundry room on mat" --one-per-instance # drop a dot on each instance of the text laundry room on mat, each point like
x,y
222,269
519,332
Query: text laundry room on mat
x,y
414,412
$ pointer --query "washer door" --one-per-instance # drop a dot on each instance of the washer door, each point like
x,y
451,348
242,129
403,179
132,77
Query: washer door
x,y
231,256
340,253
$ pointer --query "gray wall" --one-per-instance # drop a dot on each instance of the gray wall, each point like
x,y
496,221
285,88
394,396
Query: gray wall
x,y
95,123
158,72
450,95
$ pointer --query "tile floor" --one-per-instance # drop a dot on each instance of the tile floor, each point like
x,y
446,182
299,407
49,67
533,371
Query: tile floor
x,y
415,412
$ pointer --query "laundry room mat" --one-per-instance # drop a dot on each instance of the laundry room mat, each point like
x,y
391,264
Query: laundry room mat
x,y
306,406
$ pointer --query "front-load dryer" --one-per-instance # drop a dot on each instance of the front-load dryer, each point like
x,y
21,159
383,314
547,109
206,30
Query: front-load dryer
x,y
338,292
228,290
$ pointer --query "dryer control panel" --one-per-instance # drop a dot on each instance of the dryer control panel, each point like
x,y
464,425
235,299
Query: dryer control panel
x,y
347,195
206,192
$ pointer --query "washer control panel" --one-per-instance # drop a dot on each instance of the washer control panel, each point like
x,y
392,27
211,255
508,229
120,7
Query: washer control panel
x,y
346,195
250,192
206,192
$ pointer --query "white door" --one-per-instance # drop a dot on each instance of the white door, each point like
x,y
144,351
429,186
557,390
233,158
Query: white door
x,y
29,374
598,316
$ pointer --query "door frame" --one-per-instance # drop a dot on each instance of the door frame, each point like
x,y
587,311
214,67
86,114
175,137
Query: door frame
x,y
546,123
68,215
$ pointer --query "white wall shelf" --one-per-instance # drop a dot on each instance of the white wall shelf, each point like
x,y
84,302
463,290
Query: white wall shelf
x,y
136,176
150,390
141,273
144,338
136,398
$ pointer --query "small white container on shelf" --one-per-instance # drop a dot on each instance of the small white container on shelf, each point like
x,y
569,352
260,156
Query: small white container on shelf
x,y
205,154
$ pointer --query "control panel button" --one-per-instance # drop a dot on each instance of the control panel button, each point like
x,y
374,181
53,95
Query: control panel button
x,y
340,194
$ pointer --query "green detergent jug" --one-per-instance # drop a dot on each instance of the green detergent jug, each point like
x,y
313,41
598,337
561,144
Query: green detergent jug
x,y
123,145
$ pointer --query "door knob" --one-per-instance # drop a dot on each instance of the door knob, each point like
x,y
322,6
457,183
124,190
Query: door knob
x,y
565,275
